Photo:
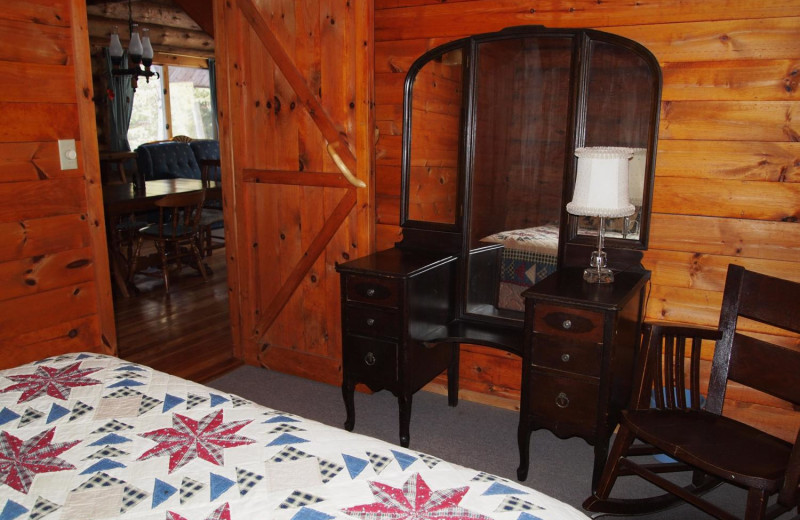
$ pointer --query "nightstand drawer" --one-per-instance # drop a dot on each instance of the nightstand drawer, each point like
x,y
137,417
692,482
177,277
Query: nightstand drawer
x,y
372,321
570,356
577,324
567,405
373,360
376,291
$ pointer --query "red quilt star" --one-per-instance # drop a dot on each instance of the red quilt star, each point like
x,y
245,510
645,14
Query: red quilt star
x,y
189,439
55,382
415,501
20,460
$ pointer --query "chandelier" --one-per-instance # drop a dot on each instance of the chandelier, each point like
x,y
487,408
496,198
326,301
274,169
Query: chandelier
x,y
140,53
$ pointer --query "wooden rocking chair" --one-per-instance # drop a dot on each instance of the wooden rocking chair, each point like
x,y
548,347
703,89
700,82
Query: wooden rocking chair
x,y
714,448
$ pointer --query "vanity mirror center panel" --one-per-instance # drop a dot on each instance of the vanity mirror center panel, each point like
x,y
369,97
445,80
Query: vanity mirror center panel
x,y
491,126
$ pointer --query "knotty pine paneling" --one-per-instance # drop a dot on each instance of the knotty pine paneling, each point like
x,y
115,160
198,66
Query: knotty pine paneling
x,y
55,293
728,162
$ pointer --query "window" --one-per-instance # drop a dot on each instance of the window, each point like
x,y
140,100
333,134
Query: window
x,y
178,102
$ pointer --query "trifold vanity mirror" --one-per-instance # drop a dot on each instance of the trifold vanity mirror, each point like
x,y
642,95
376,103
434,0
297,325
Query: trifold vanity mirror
x,y
491,125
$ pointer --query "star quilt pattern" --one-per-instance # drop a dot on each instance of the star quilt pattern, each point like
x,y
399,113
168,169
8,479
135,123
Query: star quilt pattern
x,y
87,436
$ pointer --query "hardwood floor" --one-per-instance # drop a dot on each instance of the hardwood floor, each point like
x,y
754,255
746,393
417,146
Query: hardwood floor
x,y
185,333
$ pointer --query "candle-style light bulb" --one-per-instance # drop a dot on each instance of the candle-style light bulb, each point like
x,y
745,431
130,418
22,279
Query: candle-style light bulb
x,y
147,48
135,48
115,47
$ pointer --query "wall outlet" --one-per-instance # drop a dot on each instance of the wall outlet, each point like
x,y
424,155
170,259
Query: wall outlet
x,y
68,154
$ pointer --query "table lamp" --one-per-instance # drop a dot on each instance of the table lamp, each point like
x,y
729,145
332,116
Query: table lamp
x,y
601,190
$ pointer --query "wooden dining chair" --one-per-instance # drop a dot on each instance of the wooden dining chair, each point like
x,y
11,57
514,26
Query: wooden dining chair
x,y
176,236
699,439
212,219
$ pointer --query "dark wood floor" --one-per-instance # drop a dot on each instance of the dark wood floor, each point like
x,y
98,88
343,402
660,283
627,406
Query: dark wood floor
x,y
186,333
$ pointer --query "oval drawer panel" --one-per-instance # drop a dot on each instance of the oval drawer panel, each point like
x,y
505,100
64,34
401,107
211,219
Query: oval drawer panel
x,y
376,291
569,322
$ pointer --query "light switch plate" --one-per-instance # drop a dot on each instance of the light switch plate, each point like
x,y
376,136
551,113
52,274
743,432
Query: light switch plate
x,y
68,154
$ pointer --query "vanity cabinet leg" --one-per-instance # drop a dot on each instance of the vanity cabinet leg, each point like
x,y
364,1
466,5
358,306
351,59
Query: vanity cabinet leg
x,y
405,419
348,390
452,375
524,441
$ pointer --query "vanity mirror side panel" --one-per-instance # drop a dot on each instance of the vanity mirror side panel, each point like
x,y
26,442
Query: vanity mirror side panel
x,y
433,134
619,108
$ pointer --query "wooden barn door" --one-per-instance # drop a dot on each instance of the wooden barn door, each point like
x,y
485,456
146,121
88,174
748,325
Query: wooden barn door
x,y
294,108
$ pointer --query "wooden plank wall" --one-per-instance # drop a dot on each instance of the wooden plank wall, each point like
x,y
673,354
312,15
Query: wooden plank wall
x,y
55,293
727,186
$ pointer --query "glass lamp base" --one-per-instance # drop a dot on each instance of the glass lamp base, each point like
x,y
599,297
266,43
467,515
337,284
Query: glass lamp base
x,y
598,275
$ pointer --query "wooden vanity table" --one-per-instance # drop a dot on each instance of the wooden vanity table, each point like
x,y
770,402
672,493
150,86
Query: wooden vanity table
x,y
490,127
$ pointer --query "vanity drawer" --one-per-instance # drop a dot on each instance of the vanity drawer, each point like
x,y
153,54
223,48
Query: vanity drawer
x,y
577,324
567,406
370,360
372,321
376,291
578,357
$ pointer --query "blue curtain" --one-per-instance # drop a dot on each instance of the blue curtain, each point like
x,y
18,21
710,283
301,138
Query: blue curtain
x,y
120,107
212,80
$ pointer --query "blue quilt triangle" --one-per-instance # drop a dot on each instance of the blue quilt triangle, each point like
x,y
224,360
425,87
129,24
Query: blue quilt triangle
x,y
125,368
279,419
126,383
111,438
82,356
102,465
501,489
171,401
56,413
12,510
528,516
404,459
161,492
354,465
7,415
217,400
306,513
219,485
286,438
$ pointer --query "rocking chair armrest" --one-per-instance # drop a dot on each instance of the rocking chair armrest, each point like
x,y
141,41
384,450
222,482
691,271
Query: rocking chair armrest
x,y
651,350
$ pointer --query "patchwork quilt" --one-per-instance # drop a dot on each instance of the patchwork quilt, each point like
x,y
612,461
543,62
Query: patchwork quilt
x,y
87,436
529,256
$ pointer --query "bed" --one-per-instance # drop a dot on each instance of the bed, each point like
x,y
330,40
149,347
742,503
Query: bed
x,y
87,436
529,255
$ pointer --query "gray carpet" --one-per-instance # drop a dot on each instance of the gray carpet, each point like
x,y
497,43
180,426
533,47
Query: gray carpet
x,y
473,435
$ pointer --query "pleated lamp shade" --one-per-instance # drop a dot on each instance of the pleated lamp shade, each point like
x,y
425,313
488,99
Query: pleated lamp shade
x,y
601,184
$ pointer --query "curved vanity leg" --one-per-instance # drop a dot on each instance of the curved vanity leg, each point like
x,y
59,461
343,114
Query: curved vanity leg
x,y
524,441
452,375
405,418
348,389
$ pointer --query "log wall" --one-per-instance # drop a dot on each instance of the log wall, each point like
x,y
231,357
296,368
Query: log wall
x,y
727,186
55,293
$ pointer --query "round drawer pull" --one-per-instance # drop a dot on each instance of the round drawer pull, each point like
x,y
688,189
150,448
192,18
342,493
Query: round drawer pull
x,y
562,401
565,358
370,292
369,359
567,324
370,322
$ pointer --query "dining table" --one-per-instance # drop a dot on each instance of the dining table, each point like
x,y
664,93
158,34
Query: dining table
x,y
122,200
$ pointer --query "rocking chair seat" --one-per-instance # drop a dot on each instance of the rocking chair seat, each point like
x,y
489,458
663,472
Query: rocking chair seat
x,y
714,444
